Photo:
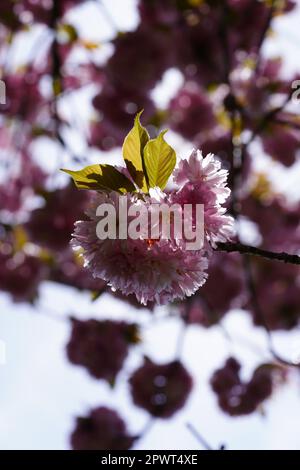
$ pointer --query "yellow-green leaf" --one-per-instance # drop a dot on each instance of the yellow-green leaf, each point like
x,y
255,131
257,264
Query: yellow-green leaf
x,y
160,161
68,32
133,147
101,178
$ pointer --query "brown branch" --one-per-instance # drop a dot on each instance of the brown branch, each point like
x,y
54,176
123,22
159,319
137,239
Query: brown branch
x,y
56,67
253,250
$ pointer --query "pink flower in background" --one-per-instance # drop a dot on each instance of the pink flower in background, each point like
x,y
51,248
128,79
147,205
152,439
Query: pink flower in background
x,y
161,389
191,112
277,220
238,398
102,429
101,346
26,178
115,109
125,63
24,98
51,226
278,292
20,274
282,144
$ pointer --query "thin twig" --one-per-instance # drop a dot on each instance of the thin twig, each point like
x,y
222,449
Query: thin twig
x,y
242,342
147,428
199,437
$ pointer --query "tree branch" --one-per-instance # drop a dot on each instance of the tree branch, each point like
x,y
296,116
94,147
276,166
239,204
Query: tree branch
x,y
253,250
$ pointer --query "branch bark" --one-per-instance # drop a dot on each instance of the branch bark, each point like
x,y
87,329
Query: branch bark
x,y
253,250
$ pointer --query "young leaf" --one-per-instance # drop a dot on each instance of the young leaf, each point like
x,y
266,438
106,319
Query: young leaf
x,y
101,178
133,147
160,161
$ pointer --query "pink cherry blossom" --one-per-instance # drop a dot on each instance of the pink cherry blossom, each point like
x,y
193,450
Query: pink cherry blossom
x,y
154,270
160,270
204,182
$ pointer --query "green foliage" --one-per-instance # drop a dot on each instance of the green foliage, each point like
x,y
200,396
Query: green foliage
x,y
160,161
150,163
101,178
133,149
